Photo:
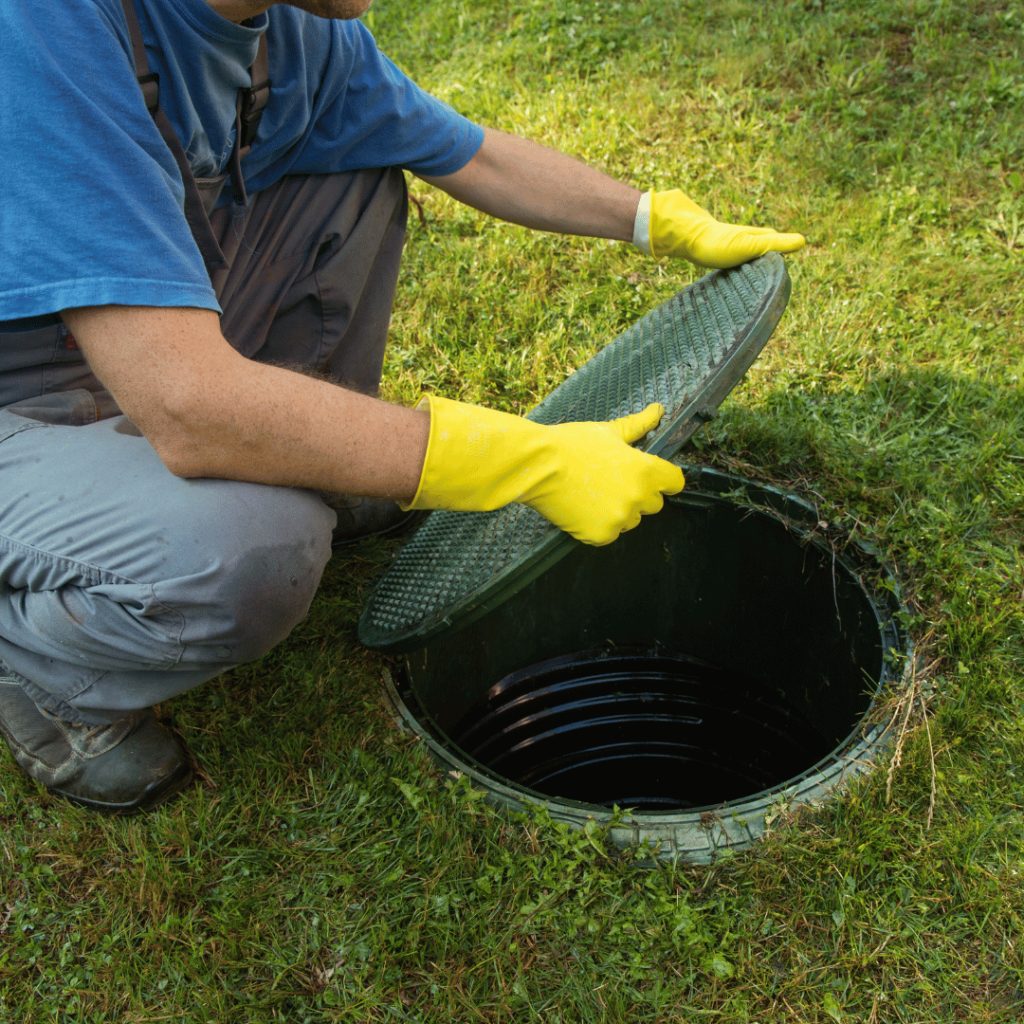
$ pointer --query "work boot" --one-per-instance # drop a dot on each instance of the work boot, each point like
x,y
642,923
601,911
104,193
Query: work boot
x,y
128,766
362,518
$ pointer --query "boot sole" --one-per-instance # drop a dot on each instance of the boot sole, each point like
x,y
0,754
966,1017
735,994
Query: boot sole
x,y
160,792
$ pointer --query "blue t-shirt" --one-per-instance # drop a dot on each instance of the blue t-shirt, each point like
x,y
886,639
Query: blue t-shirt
x,y
92,206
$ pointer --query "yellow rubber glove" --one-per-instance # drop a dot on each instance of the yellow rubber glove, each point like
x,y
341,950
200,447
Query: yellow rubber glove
x,y
672,224
583,477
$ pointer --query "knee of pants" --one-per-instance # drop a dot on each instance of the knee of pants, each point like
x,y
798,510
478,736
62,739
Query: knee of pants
x,y
228,602
256,588
270,595
109,564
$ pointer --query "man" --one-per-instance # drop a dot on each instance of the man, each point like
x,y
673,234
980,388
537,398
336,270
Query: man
x,y
177,239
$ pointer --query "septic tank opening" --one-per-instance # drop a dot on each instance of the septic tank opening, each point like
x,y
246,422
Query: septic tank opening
x,y
720,659
639,727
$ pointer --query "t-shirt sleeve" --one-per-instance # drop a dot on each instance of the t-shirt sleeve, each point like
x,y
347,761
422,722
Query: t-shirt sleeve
x,y
361,110
92,212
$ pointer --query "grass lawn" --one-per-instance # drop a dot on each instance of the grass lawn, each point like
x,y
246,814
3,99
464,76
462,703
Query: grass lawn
x,y
322,870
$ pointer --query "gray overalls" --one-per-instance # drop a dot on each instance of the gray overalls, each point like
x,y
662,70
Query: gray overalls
x,y
122,585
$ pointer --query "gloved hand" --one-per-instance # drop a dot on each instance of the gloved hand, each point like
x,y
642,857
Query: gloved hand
x,y
672,224
583,477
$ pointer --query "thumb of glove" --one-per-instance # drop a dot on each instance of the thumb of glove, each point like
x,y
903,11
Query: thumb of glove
x,y
632,428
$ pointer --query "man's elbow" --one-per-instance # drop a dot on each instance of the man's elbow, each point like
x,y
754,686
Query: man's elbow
x,y
184,463
182,456
182,446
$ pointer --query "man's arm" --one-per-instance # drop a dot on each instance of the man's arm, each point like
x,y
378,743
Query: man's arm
x,y
529,184
209,412
525,183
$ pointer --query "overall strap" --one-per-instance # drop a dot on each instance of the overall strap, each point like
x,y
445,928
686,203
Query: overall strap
x,y
249,107
252,101
248,111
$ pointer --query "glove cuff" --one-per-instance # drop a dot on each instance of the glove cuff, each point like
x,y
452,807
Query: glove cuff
x,y
642,225
424,405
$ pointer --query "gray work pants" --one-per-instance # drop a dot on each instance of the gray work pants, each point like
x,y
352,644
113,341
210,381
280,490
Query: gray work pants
x,y
122,585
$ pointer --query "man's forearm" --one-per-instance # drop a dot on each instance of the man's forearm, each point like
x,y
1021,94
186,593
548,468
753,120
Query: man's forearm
x,y
523,182
209,412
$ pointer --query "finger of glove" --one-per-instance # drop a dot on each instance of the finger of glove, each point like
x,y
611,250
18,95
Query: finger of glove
x,y
601,509
600,535
775,241
787,242
751,230
652,504
604,541
632,428
666,478
650,478
720,245
643,482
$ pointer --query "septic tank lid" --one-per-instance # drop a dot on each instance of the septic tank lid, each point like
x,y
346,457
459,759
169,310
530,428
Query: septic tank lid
x,y
687,354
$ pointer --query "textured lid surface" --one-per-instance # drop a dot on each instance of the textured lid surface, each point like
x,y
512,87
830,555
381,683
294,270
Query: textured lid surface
x,y
687,354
